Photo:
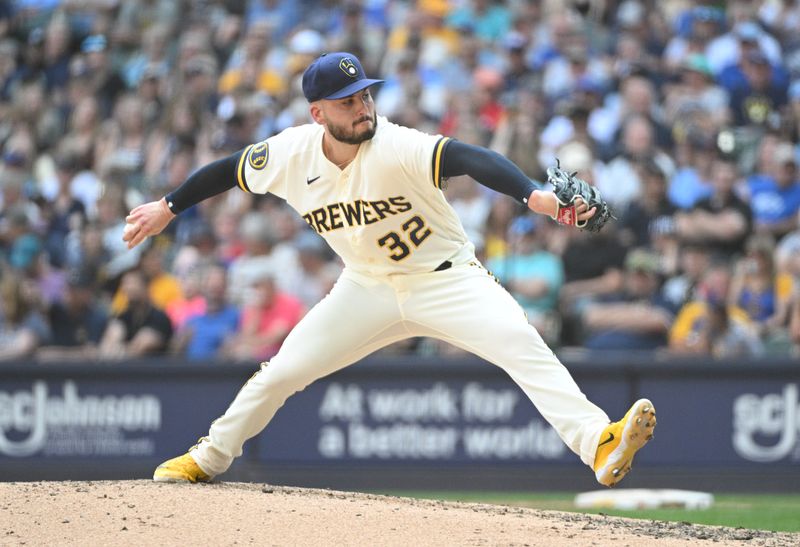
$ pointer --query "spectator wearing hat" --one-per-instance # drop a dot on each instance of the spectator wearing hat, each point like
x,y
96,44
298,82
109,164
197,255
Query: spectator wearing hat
x,y
758,89
204,335
22,326
775,196
636,318
533,275
77,321
696,29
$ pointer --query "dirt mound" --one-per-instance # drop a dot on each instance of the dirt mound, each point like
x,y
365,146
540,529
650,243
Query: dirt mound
x,y
147,513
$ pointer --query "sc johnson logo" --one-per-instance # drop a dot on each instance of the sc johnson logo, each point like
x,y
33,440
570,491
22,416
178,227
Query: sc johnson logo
x,y
27,416
766,428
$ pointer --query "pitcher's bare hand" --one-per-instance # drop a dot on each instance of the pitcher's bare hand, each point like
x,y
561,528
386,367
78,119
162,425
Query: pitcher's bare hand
x,y
146,220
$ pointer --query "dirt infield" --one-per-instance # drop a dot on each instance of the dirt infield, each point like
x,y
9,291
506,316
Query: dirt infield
x,y
147,513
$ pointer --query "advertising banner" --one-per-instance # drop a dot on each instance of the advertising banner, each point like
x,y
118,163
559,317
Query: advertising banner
x,y
462,415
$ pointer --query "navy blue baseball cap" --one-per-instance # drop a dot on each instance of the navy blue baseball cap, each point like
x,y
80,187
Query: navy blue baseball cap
x,y
335,76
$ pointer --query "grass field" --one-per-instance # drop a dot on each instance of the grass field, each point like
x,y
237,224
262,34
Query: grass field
x,y
778,512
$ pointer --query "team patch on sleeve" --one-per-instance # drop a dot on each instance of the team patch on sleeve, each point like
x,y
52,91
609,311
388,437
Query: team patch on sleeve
x,y
258,156
436,161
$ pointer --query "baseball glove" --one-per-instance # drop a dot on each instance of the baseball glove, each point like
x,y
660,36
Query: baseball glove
x,y
567,187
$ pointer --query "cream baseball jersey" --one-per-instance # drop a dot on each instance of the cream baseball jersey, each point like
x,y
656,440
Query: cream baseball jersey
x,y
383,213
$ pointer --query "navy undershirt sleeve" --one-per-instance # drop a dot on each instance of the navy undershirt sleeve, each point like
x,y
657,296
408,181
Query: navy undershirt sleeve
x,y
212,179
489,168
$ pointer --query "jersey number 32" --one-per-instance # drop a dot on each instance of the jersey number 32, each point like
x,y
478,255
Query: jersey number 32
x,y
416,232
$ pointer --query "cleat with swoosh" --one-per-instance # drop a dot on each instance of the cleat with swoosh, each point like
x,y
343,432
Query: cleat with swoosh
x,y
621,440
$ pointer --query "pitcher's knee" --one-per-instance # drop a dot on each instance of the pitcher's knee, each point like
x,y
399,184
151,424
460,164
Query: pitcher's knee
x,y
283,379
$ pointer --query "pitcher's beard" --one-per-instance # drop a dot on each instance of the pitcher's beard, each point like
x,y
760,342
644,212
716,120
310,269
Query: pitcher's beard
x,y
351,136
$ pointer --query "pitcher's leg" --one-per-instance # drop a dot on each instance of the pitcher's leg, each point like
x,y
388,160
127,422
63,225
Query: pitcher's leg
x,y
472,311
348,324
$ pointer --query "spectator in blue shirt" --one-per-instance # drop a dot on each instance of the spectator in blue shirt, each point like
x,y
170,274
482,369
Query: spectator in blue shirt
x,y
203,336
533,275
775,197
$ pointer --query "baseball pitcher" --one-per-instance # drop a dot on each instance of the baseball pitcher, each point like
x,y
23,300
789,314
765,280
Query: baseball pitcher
x,y
373,190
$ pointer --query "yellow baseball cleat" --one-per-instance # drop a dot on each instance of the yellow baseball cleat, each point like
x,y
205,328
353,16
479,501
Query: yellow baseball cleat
x,y
180,469
621,440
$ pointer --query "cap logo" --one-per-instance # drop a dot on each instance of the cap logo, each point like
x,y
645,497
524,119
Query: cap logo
x,y
348,67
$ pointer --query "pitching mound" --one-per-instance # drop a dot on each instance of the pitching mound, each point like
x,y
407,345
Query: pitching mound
x,y
147,513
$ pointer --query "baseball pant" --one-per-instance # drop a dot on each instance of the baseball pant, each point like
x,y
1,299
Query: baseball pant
x,y
463,305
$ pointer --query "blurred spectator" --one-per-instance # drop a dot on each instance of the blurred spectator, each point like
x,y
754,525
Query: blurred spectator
x,y
204,334
471,204
697,90
489,20
532,275
140,330
318,270
620,183
77,322
697,28
268,315
63,213
191,302
517,133
775,196
706,326
163,288
722,220
122,144
745,37
495,237
593,265
259,239
638,318
692,179
758,90
762,291
22,326
105,82
651,213
693,261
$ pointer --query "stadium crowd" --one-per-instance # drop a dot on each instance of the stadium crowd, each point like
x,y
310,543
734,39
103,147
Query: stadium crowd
x,y
686,115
